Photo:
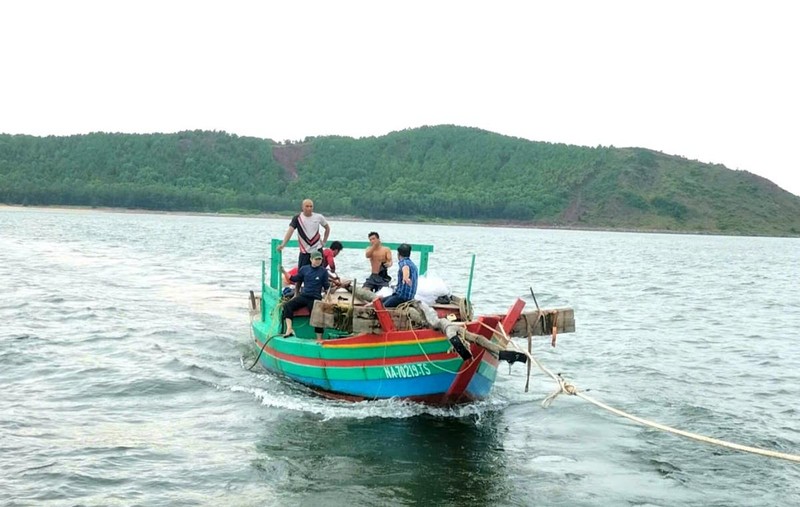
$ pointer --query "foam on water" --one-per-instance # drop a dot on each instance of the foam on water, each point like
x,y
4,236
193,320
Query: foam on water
x,y
296,398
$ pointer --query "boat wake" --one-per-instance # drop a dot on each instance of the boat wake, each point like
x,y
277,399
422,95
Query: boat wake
x,y
283,395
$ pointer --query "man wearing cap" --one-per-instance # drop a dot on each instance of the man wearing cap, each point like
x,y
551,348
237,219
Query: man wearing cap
x,y
310,281
407,277
307,224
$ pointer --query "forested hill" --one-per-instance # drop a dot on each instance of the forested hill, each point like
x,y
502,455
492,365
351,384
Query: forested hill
x,y
436,173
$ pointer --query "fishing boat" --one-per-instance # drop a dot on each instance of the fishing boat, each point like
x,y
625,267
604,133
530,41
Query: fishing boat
x,y
438,354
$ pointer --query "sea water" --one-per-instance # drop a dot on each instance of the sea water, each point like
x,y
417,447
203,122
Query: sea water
x,y
125,347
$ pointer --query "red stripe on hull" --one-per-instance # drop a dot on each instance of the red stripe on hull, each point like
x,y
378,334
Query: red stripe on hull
x,y
350,363
396,336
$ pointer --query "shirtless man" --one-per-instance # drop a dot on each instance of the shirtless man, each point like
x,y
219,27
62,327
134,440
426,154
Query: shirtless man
x,y
380,258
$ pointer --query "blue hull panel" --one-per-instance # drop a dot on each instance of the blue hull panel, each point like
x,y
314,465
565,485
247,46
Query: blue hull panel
x,y
417,387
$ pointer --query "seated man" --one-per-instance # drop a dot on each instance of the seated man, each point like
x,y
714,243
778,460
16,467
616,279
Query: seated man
x,y
328,259
380,258
310,281
407,277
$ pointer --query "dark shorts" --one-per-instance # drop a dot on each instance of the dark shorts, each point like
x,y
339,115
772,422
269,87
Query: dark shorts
x,y
303,259
375,282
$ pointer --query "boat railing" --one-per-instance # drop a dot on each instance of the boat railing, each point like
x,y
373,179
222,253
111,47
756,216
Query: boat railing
x,y
276,258
271,288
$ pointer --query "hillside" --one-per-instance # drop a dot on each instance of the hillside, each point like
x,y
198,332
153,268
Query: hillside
x,y
429,173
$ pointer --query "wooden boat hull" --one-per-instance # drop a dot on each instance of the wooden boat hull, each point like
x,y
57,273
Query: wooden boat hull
x,y
417,365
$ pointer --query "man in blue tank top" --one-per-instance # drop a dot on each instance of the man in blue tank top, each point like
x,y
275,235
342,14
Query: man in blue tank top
x,y
407,276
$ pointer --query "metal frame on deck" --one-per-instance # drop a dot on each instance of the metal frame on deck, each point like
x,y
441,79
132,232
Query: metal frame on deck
x,y
277,257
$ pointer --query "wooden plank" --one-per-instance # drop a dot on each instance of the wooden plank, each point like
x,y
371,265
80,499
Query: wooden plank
x,y
365,319
564,318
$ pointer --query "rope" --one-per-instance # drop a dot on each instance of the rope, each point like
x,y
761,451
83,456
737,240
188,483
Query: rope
x,y
499,327
530,342
567,388
687,434
343,318
380,384
269,338
430,361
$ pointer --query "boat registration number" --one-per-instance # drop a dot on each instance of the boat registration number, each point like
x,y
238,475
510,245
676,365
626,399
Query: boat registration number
x,y
406,370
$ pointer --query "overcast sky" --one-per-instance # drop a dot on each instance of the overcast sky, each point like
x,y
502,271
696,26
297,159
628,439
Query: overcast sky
x,y
716,81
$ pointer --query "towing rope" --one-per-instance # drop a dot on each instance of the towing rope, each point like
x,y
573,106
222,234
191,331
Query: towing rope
x,y
275,311
462,366
568,388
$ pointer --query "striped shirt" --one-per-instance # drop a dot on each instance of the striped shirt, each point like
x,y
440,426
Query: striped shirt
x,y
407,292
307,228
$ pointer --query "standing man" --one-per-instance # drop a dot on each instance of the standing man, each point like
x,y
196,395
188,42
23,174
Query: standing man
x,y
307,225
407,277
380,258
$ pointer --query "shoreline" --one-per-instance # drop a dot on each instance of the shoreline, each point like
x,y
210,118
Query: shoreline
x,y
348,218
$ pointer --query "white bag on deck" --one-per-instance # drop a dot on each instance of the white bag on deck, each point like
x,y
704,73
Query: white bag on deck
x,y
430,288
384,292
